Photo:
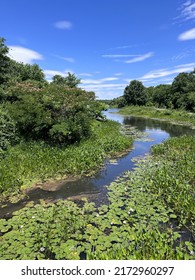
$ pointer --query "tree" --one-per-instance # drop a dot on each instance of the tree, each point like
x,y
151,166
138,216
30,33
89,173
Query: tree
x,y
182,85
4,61
161,95
135,93
21,72
70,81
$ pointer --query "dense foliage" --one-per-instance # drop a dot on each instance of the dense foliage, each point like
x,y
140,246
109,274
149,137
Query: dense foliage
x,y
135,93
7,130
55,114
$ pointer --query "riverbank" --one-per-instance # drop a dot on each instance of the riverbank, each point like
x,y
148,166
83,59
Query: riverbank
x,y
173,116
30,163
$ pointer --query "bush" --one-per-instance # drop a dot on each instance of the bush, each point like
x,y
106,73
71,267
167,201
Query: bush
x,y
53,113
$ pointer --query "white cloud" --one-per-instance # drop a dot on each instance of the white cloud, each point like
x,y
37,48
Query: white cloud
x,y
105,91
118,55
118,74
63,24
187,35
159,73
188,10
99,81
140,58
21,54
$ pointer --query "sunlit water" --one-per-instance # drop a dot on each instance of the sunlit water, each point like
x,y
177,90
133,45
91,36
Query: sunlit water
x,y
95,187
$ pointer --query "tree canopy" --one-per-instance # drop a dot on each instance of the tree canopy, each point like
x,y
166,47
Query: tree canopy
x,y
135,93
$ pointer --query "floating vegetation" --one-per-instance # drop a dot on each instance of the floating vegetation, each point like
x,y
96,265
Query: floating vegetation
x,y
150,215
113,161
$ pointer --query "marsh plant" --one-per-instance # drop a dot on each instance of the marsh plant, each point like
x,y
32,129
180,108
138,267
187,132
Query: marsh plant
x,y
150,215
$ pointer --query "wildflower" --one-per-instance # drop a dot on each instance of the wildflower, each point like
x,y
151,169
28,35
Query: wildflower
x,y
42,249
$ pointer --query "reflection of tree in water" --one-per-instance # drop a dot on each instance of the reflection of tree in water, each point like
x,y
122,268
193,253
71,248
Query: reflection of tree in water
x,y
143,123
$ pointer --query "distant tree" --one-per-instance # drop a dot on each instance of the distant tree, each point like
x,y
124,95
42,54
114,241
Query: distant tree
x,y
21,72
135,93
70,81
182,85
162,95
4,61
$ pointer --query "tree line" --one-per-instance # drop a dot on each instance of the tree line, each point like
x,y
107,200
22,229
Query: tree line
x,y
178,95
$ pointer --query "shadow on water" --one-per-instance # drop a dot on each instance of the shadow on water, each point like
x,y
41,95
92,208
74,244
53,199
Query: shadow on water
x,y
95,187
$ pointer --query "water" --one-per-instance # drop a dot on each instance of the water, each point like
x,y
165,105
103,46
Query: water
x,y
94,187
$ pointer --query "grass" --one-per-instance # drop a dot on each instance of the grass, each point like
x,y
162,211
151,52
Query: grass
x,y
29,162
178,116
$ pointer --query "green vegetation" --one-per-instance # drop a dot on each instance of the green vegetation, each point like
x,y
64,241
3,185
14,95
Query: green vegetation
x,y
148,213
179,95
51,131
170,115
28,162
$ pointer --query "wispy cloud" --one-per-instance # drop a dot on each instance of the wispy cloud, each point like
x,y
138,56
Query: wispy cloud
x,y
105,88
99,81
64,24
106,91
66,58
159,73
140,58
118,55
188,10
25,55
187,35
134,57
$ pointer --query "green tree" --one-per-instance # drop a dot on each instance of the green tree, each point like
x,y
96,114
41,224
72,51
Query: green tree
x,y
70,81
4,61
20,72
162,96
182,85
135,93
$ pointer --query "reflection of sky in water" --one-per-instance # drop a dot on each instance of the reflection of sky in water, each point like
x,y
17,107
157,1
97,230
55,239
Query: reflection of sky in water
x,y
156,131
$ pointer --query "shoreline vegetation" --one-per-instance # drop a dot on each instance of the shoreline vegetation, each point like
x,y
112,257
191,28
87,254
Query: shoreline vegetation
x,y
179,117
150,214
33,163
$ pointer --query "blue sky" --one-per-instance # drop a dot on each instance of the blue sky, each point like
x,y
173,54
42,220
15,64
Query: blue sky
x,y
106,43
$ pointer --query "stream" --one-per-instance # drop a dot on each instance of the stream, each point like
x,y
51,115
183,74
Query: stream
x,y
94,187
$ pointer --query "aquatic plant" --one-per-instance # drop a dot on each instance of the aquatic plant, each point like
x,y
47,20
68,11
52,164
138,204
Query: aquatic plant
x,y
150,215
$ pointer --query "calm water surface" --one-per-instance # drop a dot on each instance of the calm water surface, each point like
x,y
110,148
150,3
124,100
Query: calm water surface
x,y
95,187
